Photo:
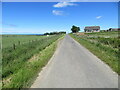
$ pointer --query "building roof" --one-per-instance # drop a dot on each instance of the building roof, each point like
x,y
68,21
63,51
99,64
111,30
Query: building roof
x,y
92,27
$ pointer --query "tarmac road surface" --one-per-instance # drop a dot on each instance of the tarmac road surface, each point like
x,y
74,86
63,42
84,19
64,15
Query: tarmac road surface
x,y
73,66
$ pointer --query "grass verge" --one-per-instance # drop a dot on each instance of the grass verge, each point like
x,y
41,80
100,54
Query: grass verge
x,y
24,77
106,54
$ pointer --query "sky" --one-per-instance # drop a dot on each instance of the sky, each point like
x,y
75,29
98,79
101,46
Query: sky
x,y
41,17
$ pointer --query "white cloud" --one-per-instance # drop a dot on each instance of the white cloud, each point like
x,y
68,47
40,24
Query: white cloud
x,y
8,29
56,12
98,17
8,24
63,4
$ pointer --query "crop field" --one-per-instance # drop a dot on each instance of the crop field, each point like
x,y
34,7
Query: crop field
x,y
24,56
105,45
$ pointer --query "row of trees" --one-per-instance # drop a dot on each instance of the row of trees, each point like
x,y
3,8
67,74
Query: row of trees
x,y
74,29
55,33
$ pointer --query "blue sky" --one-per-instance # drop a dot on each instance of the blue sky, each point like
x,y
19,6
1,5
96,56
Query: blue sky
x,y
41,17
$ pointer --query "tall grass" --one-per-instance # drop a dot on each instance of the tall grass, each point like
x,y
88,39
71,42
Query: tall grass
x,y
17,70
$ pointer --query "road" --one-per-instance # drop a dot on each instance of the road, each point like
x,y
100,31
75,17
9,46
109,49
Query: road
x,y
73,66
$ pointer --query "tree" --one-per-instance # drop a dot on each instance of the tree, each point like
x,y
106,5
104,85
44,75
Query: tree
x,y
75,29
46,33
110,29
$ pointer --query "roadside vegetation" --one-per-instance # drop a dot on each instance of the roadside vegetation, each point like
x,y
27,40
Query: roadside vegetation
x,y
22,63
105,45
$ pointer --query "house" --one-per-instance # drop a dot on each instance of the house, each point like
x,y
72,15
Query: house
x,y
114,29
92,29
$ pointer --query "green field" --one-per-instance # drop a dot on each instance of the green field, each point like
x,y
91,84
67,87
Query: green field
x,y
9,40
22,63
113,34
105,45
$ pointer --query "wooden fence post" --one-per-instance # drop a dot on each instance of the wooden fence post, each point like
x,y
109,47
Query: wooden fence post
x,y
19,42
14,46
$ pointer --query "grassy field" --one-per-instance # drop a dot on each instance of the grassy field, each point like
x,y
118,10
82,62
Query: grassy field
x,y
9,40
103,45
21,65
112,34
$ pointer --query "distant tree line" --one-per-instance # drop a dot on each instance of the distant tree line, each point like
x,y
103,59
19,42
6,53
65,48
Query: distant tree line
x,y
54,33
